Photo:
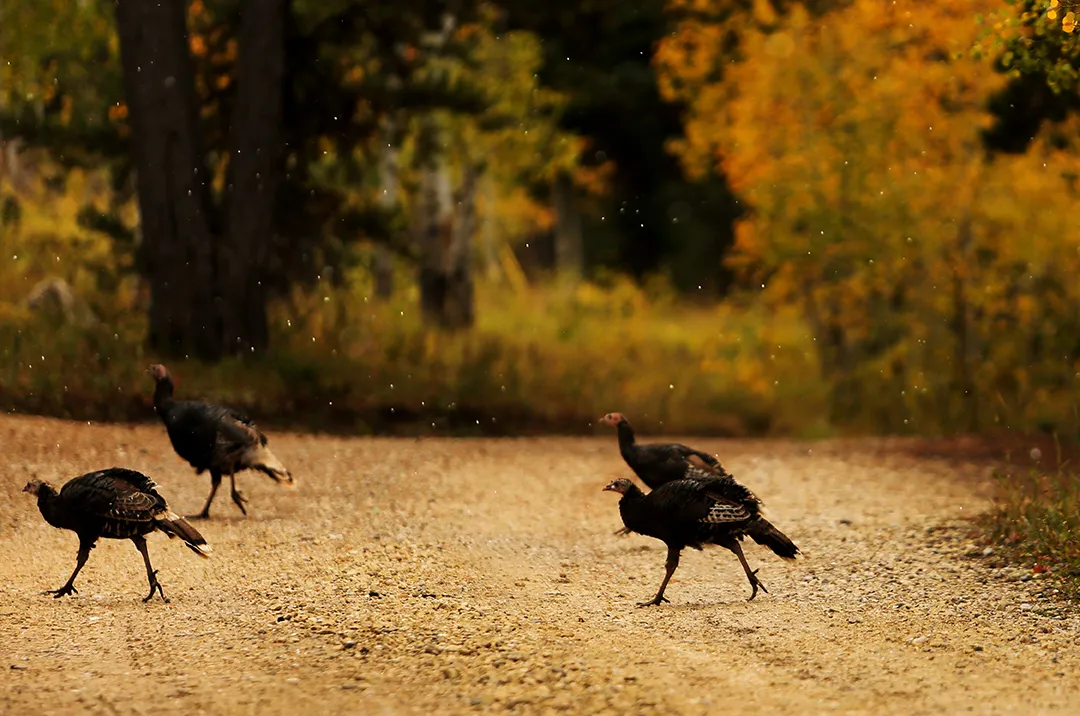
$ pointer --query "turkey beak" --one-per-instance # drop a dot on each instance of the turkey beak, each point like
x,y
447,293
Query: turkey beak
x,y
609,488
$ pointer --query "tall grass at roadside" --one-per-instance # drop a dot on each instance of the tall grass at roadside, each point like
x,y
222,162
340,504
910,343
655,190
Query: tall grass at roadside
x,y
1036,521
543,358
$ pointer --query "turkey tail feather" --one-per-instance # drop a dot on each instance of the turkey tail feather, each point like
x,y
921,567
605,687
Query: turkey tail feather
x,y
174,525
763,532
259,457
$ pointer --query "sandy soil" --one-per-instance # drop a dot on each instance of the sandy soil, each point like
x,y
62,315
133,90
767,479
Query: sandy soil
x,y
408,576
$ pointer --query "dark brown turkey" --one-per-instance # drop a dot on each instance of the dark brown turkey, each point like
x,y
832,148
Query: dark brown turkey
x,y
211,437
701,508
657,463
114,504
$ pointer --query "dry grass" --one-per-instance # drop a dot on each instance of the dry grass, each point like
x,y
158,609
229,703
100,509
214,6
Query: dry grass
x,y
540,359
1036,520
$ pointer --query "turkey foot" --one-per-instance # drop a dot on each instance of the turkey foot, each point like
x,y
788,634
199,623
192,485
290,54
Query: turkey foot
x,y
655,601
62,591
155,586
670,566
151,573
623,531
751,574
215,483
755,583
239,500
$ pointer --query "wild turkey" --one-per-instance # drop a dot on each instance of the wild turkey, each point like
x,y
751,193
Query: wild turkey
x,y
657,463
702,508
114,504
211,437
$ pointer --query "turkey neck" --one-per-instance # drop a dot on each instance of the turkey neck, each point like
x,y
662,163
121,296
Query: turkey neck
x,y
163,396
626,439
628,505
47,503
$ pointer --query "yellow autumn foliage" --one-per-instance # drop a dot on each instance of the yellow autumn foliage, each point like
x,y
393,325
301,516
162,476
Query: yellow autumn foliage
x,y
936,281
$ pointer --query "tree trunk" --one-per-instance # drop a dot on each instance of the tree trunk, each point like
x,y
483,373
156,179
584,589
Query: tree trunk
x,y
434,221
383,268
963,378
389,180
834,354
254,167
444,237
173,194
569,249
487,233
459,299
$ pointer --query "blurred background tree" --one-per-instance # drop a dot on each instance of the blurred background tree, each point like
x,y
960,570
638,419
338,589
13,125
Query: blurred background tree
x,y
718,215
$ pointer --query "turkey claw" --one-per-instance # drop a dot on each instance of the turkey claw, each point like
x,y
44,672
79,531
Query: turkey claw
x,y
755,583
655,602
155,586
239,499
62,591
623,531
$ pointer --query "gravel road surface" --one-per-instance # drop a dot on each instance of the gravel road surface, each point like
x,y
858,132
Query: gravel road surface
x,y
414,576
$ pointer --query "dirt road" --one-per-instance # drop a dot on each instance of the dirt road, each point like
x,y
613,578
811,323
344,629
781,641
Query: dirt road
x,y
410,576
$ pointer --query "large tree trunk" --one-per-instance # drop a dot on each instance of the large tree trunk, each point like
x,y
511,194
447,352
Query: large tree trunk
x,y
569,248
171,177
254,167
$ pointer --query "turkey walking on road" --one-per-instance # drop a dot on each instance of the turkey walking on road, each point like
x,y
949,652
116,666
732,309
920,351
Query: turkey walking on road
x,y
657,463
211,437
702,508
114,504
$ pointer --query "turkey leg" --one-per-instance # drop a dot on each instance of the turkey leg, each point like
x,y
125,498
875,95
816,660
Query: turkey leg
x,y
672,564
751,575
215,483
236,496
84,554
151,573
